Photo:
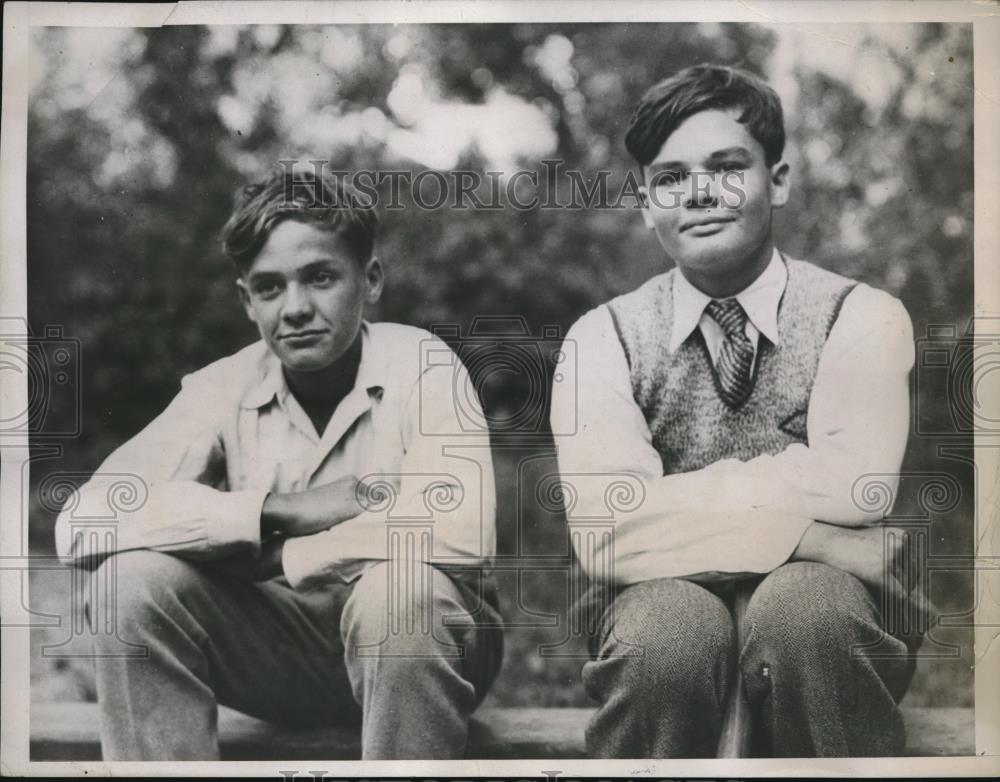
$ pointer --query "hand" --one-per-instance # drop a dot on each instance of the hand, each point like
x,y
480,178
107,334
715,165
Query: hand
x,y
884,558
264,568
315,510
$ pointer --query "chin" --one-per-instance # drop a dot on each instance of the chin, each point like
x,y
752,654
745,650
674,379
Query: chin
x,y
707,258
303,361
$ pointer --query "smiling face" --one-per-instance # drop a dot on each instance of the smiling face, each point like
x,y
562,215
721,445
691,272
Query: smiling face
x,y
709,195
307,293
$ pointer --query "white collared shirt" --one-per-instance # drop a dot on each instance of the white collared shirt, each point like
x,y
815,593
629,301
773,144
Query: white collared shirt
x,y
759,300
732,516
235,433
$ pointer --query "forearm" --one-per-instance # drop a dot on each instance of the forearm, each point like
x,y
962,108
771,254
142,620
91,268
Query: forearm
x,y
184,518
885,559
459,531
858,422
314,510
342,552
678,536
815,544
737,517
439,507
286,514
823,483
164,490
829,544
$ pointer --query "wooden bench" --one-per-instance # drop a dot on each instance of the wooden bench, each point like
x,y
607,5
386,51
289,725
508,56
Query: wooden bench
x,y
69,731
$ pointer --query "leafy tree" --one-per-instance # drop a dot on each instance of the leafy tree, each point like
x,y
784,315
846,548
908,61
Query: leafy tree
x,y
126,196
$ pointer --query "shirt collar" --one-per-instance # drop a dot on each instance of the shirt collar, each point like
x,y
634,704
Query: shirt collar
x,y
270,380
759,300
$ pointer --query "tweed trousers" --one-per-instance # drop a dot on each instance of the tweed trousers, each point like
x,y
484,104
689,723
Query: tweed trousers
x,y
409,671
822,677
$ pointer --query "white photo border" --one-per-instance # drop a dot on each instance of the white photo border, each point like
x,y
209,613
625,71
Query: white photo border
x,y
20,17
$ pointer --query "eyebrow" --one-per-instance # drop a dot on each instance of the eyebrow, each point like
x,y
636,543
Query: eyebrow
x,y
731,152
719,154
304,269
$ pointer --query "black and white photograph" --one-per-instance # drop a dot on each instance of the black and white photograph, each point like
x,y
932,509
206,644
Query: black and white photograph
x,y
499,388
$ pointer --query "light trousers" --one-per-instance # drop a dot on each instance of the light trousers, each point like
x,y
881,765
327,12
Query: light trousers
x,y
822,677
408,664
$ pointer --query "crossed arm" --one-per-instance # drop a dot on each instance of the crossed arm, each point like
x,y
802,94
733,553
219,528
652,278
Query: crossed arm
x,y
186,507
736,517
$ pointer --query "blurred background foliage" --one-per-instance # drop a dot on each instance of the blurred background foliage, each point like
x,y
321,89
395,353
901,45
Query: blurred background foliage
x,y
138,139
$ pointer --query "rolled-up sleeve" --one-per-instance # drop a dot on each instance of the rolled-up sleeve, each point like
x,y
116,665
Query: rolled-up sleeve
x,y
439,508
164,490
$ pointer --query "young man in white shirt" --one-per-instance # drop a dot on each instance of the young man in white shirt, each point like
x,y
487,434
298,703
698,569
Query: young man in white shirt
x,y
751,394
303,530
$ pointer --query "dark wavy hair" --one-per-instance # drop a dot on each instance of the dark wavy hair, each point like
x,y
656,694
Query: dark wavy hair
x,y
702,88
325,201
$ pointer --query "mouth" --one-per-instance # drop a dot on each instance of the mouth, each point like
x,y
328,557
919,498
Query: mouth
x,y
302,337
706,224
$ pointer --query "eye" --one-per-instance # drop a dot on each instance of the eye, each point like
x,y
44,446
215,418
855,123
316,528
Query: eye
x,y
731,165
267,289
667,178
323,278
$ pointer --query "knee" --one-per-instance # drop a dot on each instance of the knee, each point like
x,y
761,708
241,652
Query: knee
x,y
668,635
404,605
808,608
134,584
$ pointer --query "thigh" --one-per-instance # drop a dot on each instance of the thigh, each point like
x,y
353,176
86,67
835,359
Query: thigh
x,y
799,601
414,610
271,652
808,610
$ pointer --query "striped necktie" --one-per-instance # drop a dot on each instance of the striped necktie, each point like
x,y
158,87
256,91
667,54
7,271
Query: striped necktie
x,y
735,360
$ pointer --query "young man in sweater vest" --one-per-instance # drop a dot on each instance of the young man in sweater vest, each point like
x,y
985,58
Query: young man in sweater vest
x,y
750,393
256,570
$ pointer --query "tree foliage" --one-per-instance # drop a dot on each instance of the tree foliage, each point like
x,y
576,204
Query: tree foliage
x,y
127,193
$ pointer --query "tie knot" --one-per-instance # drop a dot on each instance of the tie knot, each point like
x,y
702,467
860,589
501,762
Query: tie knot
x,y
729,315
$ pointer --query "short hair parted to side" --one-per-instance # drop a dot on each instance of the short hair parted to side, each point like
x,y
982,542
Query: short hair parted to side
x,y
325,201
704,88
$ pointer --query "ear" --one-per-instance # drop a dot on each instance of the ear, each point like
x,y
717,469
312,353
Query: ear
x,y
644,197
374,280
780,184
244,295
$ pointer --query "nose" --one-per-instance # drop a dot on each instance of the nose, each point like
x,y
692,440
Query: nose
x,y
704,192
297,306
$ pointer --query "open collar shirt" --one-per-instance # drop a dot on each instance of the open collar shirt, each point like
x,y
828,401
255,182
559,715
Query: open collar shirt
x,y
235,433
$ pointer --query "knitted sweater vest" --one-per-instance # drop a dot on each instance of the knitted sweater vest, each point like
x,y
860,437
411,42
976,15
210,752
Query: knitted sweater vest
x,y
678,393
